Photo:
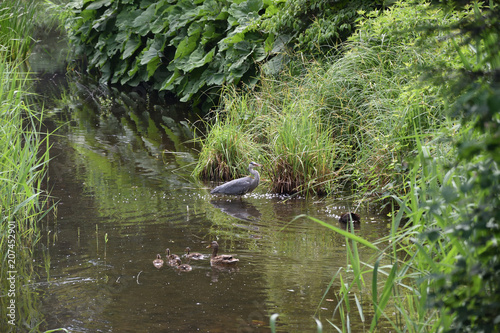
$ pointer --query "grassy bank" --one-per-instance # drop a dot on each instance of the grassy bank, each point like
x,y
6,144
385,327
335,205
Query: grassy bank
x,y
344,122
444,236
22,168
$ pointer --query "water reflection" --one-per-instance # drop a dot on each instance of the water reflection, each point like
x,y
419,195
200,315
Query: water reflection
x,y
237,208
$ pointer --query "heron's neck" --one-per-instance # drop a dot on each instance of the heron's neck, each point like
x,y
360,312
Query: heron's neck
x,y
254,173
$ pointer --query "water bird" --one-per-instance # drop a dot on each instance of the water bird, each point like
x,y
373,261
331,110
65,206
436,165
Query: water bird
x,y
182,267
223,259
172,258
346,218
193,255
240,186
158,262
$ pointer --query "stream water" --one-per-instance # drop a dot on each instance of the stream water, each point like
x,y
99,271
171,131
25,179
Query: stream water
x,y
120,180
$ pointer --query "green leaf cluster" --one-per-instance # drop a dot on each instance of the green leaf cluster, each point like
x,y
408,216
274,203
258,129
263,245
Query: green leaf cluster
x,y
184,46
470,289
312,25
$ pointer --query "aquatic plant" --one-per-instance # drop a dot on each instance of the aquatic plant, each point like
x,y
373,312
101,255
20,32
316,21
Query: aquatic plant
x,y
16,28
23,163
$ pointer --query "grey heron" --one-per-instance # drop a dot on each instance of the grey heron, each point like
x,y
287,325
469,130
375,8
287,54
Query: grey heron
x,y
240,186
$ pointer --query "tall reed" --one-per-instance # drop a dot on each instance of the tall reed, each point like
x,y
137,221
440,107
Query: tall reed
x,y
231,142
405,271
16,27
23,162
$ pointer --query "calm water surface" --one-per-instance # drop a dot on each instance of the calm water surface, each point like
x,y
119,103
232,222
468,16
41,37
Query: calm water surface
x,y
121,181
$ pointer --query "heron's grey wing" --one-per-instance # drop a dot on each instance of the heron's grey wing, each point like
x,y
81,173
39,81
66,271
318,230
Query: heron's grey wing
x,y
235,187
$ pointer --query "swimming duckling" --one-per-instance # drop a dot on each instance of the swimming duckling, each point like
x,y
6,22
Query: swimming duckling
x,y
223,259
182,267
194,255
158,262
171,256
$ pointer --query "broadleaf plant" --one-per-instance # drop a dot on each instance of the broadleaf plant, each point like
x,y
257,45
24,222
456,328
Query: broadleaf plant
x,y
183,46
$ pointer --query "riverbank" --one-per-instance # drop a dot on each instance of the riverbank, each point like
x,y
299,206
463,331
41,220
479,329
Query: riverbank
x,y
348,122
23,163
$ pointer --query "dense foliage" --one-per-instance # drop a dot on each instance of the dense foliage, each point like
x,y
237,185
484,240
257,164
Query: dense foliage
x,y
188,47
470,291
317,25
23,164
182,46
352,118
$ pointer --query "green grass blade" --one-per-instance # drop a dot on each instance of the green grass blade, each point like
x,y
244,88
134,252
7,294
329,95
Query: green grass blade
x,y
340,231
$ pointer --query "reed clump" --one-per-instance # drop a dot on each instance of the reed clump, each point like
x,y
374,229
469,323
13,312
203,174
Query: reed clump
x,y
23,163
230,144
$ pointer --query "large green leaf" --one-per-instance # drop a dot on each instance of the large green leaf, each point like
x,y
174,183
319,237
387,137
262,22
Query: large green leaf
x,y
197,59
177,45
186,46
209,33
142,22
132,44
167,84
245,12
125,18
120,69
154,50
98,4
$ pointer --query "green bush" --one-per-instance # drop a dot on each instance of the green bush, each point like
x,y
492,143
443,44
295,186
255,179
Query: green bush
x,y
317,25
181,46
365,107
469,291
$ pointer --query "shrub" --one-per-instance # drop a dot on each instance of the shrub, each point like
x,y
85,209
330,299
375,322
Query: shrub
x,y
184,46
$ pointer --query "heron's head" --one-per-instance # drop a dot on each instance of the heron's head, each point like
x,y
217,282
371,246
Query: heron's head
x,y
255,164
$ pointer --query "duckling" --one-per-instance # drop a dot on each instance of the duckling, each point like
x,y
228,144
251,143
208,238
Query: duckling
x,y
172,258
223,259
182,267
194,255
346,218
158,262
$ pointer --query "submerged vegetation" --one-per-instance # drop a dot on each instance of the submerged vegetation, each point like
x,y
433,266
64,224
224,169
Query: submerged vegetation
x,y
23,161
